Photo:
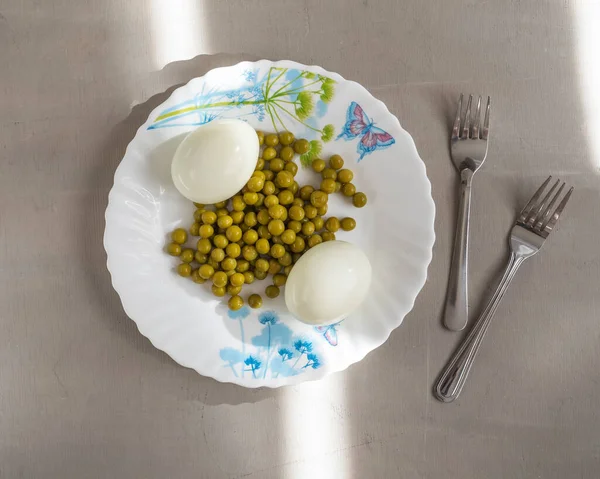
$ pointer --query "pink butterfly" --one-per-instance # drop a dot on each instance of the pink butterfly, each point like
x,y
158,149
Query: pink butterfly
x,y
329,332
359,124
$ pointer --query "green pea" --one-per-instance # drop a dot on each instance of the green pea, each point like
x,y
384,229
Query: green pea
x,y
298,245
228,264
276,165
318,165
184,269
179,236
269,153
237,203
196,278
209,217
301,146
272,139
328,186
174,249
329,173
277,251
235,303
286,197
261,265
284,179
318,198
206,231
286,138
220,241
237,217
233,290
286,259
249,253
359,200
272,291
263,232
194,229
224,221
242,266
345,176
297,213
305,192
269,188
260,274
200,257
250,219
256,183
310,212
255,301
237,279
276,227
206,271
233,233
204,246
332,224
288,236
336,162
308,228
187,255
217,255
250,198
276,211
198,215
287,153
348,224
262,246
218,291
314,240
220,279
233,250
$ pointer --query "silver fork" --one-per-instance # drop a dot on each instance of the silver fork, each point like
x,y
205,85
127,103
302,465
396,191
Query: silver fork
x,y
528,235
468,148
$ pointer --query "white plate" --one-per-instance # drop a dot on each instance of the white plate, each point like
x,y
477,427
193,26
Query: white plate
x,y
267,347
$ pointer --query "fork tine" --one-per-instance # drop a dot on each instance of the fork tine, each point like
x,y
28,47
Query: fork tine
x,y
554,218
533,201
467,125
538,212
456,126
543,218
486,122
477,121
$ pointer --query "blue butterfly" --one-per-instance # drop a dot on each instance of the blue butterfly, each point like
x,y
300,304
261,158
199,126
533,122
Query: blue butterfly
x,y
359,124
329,332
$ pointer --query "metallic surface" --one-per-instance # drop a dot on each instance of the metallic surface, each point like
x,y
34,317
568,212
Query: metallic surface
x,y
526,239
468,147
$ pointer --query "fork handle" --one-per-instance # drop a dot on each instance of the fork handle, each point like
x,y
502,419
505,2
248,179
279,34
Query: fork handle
x,y
452,380
456,310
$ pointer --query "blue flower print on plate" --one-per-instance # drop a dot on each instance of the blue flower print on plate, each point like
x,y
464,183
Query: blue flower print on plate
x,y
275,351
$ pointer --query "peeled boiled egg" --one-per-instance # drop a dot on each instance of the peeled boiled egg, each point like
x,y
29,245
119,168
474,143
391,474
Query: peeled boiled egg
x,y
328,283
215,161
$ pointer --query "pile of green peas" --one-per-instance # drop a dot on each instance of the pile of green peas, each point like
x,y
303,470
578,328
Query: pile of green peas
x,y
264,229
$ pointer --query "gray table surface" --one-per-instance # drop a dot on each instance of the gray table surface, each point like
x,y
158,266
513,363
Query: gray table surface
x,y
84,395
